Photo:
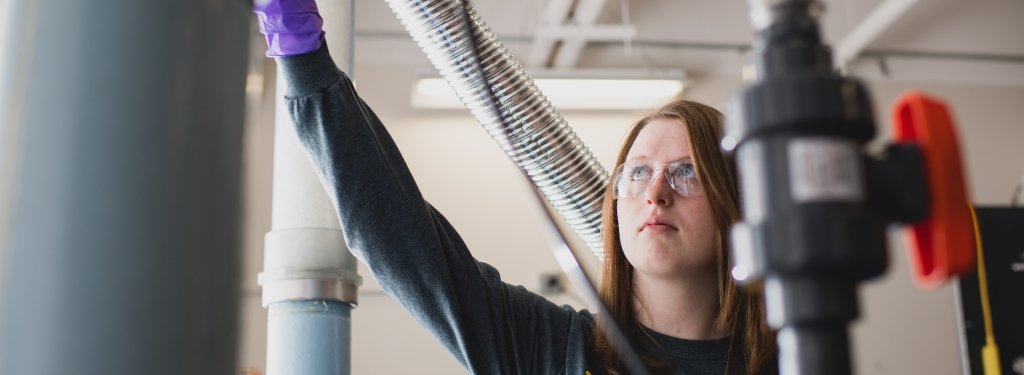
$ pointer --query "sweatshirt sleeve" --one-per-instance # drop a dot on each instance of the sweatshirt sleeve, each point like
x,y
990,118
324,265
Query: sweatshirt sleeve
x,y
411,249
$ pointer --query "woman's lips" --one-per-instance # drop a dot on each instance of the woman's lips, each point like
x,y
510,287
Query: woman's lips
x,y
657,226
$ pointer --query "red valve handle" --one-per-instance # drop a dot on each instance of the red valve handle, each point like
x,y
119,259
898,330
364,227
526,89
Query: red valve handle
x,y
942,245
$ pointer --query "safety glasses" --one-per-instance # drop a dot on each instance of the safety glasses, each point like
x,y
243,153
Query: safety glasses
x,y
634,177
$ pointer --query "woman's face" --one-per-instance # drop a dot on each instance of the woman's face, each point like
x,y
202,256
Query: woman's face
x,y
664,234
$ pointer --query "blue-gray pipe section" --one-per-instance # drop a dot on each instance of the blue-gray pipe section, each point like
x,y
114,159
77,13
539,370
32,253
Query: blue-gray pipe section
x,y
303,337
121,248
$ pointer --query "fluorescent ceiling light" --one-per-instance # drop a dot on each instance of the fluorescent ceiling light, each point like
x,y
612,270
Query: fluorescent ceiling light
x,y
573,91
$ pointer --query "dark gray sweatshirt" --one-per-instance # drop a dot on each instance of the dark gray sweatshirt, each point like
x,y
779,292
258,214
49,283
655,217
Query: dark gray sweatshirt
x,y
418,258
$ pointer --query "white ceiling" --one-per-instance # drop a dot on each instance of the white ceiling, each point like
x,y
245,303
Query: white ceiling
x,y
976,42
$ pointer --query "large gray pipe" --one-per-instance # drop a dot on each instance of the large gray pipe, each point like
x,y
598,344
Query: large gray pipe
x,y
121,128
538,139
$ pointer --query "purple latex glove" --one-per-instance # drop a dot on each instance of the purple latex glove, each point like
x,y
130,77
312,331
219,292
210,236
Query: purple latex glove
x,y
292,27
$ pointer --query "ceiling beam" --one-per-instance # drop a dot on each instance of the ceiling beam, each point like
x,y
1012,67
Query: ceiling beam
x,y
589,33
543,46
586,14
880,19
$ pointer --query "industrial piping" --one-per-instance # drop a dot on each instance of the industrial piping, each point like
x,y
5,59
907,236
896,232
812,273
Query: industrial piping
x,y
120,159
536,138
309,278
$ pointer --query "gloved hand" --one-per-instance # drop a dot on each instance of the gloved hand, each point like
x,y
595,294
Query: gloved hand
x,y
292,27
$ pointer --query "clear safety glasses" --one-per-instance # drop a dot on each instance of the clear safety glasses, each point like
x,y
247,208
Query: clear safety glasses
x,y
634,177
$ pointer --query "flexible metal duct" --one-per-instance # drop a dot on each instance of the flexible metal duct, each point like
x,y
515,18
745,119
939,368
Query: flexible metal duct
x,y
537,138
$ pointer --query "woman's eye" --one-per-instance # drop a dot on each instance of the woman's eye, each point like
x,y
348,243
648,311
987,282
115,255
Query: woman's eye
x,y
685,170
688,170
639,173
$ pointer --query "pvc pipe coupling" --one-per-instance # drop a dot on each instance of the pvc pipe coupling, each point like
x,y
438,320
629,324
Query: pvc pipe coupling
x,y
308,264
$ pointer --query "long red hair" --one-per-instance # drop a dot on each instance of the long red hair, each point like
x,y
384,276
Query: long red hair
x,y
741,312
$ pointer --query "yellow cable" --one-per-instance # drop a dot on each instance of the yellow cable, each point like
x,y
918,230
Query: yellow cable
x,y
989,352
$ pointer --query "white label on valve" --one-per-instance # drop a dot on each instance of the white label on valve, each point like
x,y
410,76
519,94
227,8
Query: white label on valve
x,y
752,184
825,170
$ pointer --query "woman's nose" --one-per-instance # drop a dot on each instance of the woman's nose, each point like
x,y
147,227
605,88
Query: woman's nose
x,y
659,192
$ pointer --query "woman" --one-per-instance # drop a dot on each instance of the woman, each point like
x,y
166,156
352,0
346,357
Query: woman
x,y
666,215
665,270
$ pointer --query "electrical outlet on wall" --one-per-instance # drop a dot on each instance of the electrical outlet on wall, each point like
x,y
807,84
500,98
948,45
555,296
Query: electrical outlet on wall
x,y
552,283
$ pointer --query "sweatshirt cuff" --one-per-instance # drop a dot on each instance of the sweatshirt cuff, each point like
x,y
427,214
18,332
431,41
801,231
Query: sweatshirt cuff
x,y
309,73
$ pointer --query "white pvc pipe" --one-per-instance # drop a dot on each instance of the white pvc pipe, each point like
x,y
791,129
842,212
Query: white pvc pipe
x,y
309,278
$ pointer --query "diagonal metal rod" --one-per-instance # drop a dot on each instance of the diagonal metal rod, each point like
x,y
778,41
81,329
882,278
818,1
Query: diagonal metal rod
x,y
568,259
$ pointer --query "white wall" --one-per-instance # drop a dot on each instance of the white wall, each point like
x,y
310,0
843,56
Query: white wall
x,y
460,170
905,330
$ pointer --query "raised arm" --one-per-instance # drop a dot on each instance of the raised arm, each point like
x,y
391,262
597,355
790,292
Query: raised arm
x,y
413,252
